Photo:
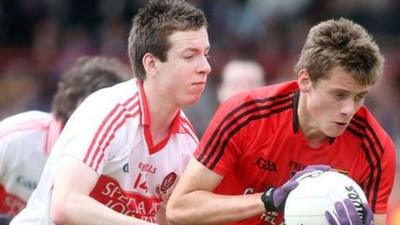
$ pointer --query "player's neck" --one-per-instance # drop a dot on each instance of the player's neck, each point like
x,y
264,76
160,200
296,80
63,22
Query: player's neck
x,y
315,138
161,112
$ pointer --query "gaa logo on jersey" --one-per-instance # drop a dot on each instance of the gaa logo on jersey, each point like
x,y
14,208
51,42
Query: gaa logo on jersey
x,y
168,181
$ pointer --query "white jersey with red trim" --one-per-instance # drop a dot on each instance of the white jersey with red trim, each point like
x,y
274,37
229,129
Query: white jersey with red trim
x,y
110,133
25,141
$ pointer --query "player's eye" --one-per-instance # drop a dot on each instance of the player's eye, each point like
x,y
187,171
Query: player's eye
x,y
339,95
188,57
359,98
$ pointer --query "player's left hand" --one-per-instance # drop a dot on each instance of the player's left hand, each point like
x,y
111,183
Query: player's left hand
x,y
346,214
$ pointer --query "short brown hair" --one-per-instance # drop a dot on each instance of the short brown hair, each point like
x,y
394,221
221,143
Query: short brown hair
x,y
152,25
344,44
88,75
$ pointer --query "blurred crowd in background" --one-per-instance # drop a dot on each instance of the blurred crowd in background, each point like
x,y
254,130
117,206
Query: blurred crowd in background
x,y
40,39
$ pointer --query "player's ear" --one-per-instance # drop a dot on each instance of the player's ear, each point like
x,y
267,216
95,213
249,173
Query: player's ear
x,y
304,81
150,64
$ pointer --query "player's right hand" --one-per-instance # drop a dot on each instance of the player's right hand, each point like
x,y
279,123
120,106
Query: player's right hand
x,y
274,198
346,214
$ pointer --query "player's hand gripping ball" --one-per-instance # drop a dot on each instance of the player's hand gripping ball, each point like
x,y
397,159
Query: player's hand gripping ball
x,y
327,198
346,213
274,198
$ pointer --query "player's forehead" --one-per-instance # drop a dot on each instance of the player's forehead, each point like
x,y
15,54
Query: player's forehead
x,y
189,40
338,79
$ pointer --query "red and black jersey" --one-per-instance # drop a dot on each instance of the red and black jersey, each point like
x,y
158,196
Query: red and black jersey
x,y
254,141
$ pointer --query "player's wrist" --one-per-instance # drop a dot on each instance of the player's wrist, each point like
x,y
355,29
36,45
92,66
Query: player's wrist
x,y
268,199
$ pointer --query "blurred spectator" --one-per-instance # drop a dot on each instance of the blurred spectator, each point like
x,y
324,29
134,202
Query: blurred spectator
x,y
240,75
237,75
18,87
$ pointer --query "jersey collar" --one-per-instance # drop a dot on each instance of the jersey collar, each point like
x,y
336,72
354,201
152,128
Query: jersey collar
x,y
55,128
144,109
145,114
295,122
145,121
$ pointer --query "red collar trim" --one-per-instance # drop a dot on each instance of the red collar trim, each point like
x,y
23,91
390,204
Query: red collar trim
x,y
176,123
144,107
54,131
145,121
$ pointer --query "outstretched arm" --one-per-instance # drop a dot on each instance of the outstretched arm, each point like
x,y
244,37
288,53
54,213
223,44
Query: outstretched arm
x,y
71,203
192,201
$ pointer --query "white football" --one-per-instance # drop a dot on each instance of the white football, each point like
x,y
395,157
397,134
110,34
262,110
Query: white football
x,y
318,192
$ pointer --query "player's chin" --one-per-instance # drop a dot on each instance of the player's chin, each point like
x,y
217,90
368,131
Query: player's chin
x,y
334,133
191,99
197,88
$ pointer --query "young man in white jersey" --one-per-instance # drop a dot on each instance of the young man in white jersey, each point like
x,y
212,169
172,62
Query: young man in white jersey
x,y
27,138
122,151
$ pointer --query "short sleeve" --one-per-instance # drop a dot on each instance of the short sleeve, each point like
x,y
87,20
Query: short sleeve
x,y
220,147
91,132
381,196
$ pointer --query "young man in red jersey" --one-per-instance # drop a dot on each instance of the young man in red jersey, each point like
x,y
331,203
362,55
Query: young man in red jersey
x,y
242,171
